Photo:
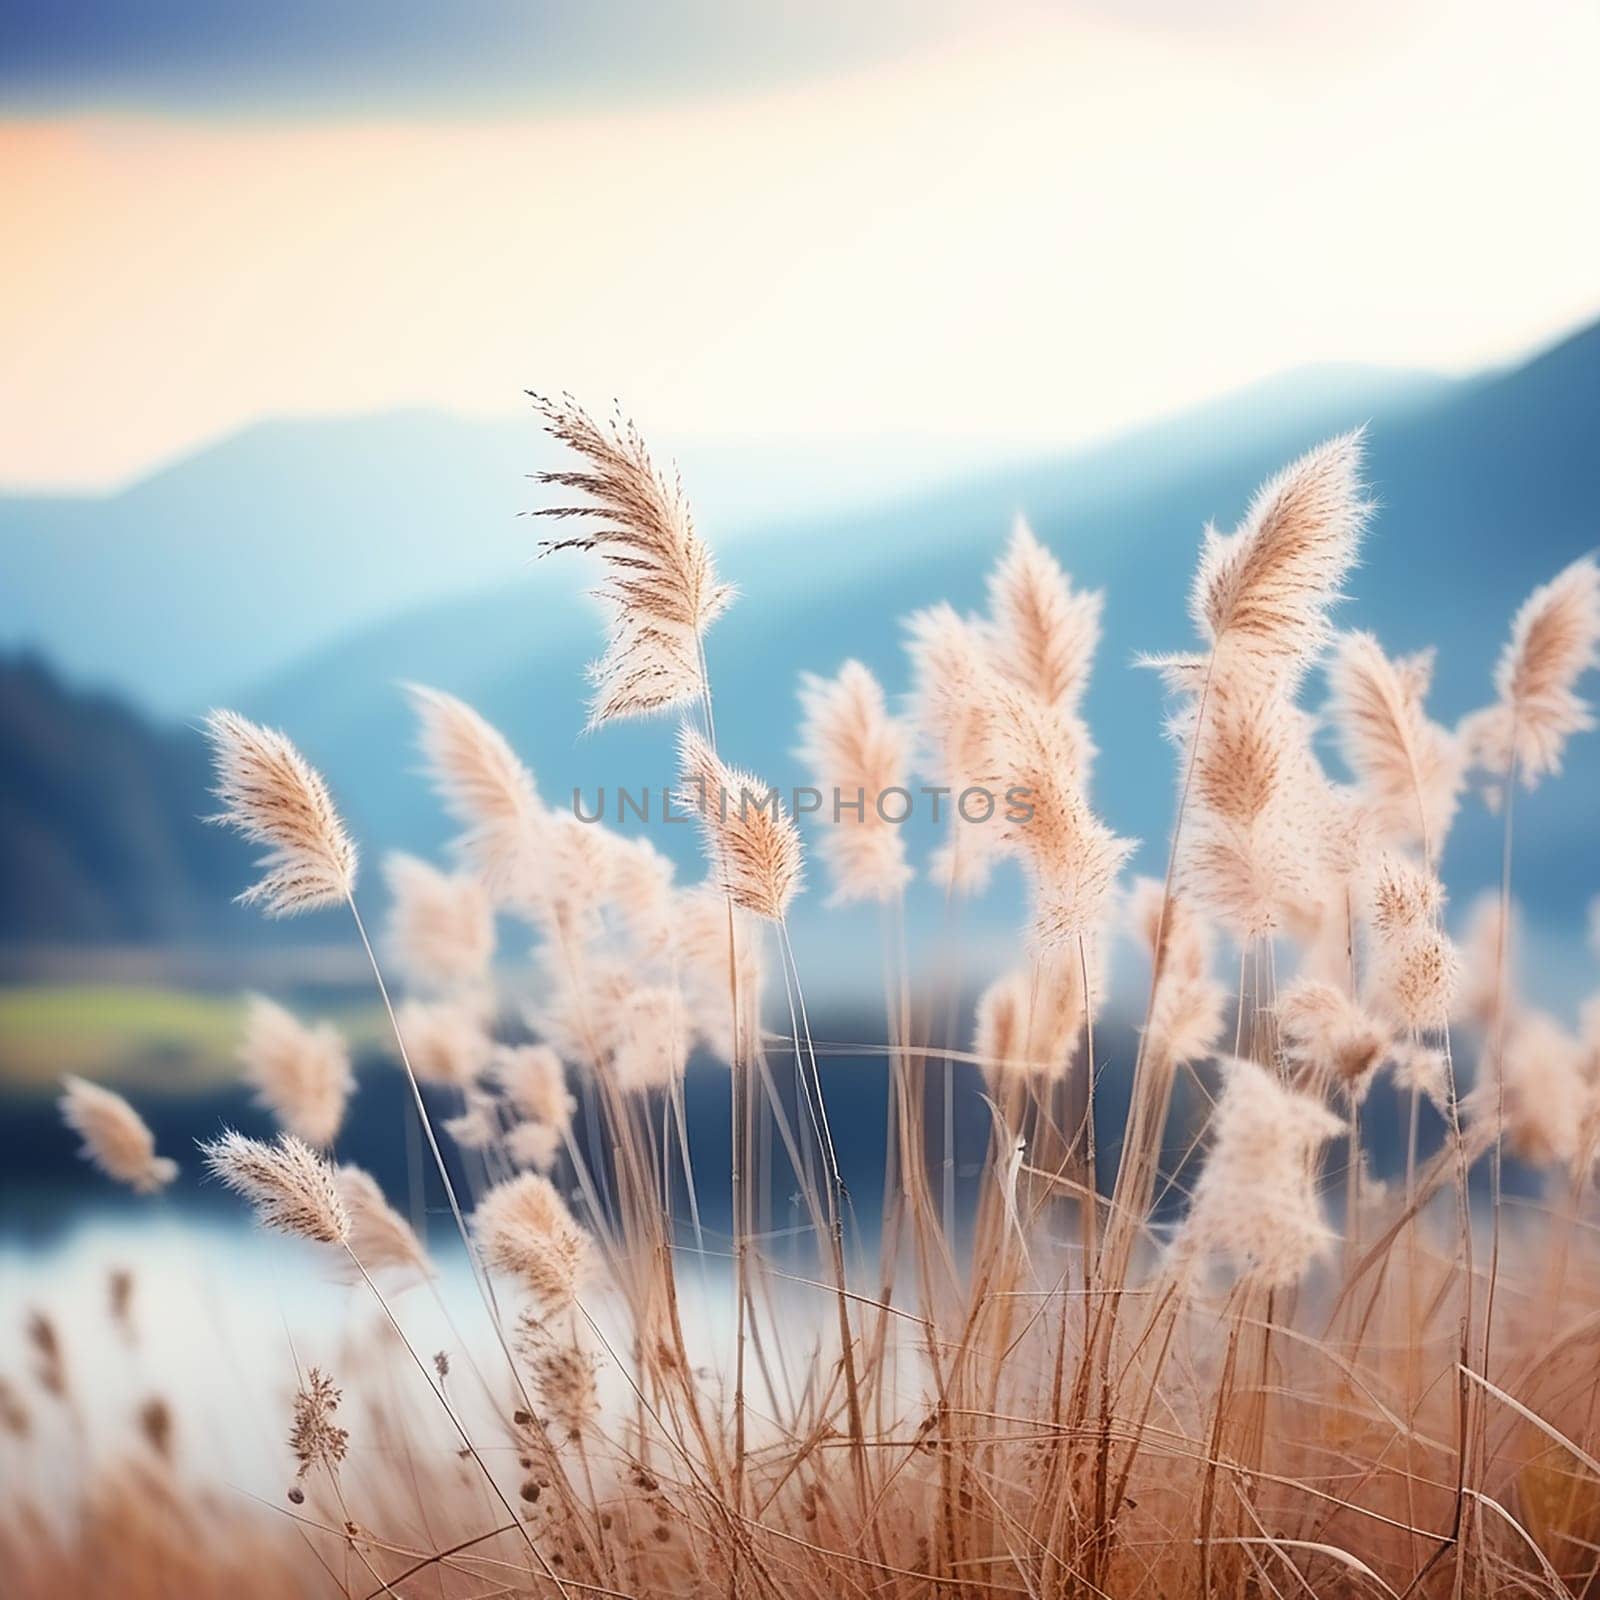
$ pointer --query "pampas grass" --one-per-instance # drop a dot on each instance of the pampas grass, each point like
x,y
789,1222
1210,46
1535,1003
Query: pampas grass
x,y
484,787
380,1238
661,584
857,753
1555,639
1411,769
292,1189
527,1232
114,1136
1264,592
1211,1354
750,839
1255,1203
300,1074
441,925
274,797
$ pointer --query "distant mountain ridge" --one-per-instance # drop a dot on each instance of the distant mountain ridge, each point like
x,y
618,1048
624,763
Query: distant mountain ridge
x,y
230,565
100,838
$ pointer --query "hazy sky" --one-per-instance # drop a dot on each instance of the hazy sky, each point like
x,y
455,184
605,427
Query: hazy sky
x,y
1031,223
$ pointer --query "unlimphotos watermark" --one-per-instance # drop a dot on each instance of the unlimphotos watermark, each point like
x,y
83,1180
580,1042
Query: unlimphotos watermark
x,y
893,806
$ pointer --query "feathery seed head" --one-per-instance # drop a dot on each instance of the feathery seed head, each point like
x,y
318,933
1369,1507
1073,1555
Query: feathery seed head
x,y
563,1375
525,1230
751,841
1406,898
955,679
652,1042
661,584
380,1238
1325,1031
1042,633
1263,593
273,796
1555,639
640,880
475,1128
1029,1023
300,1074
291,1187
1187,1011
1549,1102
722,986
535,1083
1255,1202
1489,977
1254,848
317,1441
1411,768
1071,857
445,1042
1423,1069
857,751
1414,983
484,787
533,1144
441,925
115,1137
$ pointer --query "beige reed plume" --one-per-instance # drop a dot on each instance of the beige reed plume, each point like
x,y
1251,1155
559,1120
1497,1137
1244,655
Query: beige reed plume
x,y
274,797
750,840
114,1136
661,582
1549,1102
445,1040
291,1187
955,680
1043,634
857,754
1029,1023
1188,1008
440,926
380,1238
300,1074
1555,639
525,1230
652,1042
1326,1032
1252,846
483,786
1265,590
1409,767
535,1082
1037,767
533,1144
640,881
1255,1201
1414,975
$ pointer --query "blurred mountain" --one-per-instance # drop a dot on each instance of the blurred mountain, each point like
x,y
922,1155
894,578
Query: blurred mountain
x,y
99,837
238,560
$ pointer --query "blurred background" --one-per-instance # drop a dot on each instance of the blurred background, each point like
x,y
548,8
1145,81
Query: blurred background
x,y
878,277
